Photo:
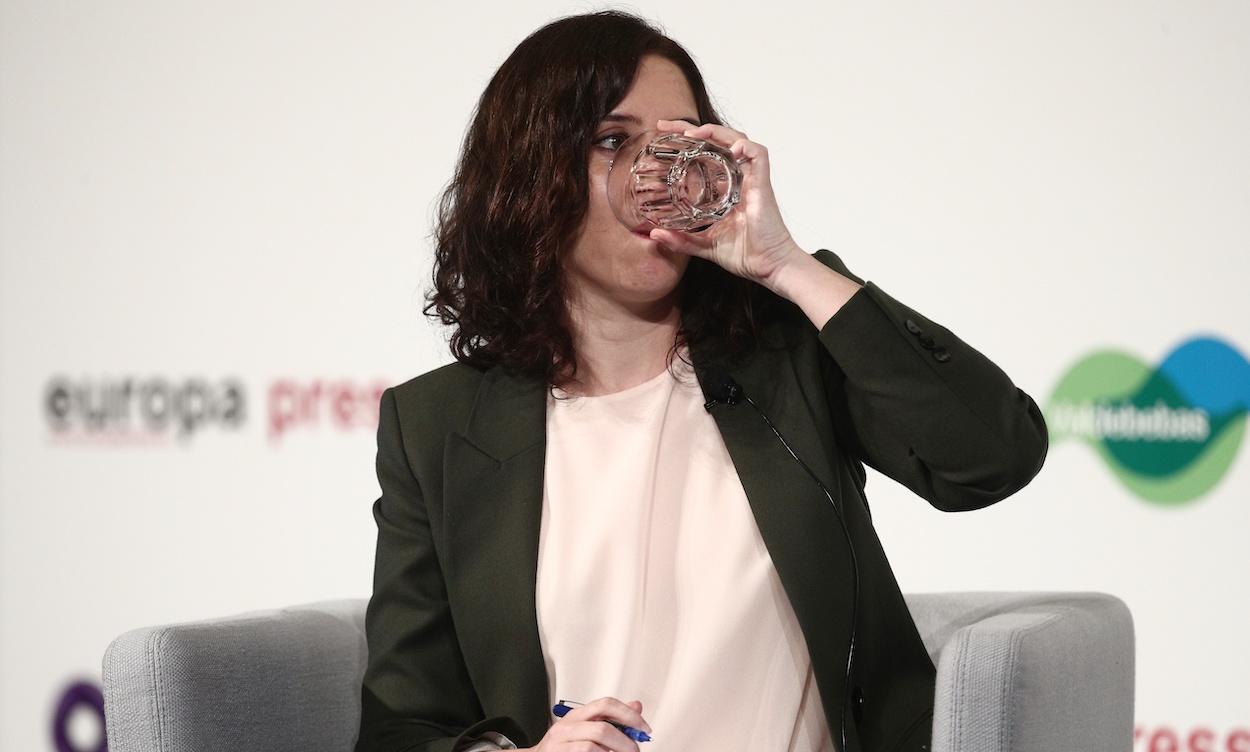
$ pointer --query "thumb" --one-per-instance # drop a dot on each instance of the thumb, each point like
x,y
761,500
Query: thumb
x,y
678,242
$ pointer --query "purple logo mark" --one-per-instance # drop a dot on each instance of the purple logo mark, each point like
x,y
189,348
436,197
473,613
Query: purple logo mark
x,y
79,693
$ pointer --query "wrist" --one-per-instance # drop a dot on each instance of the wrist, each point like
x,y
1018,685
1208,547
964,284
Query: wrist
x,y
816,289
789,267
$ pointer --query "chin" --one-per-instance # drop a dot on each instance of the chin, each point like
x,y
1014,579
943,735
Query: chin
x,y
657,276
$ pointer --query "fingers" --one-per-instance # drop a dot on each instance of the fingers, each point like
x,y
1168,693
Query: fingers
x,y
718,133
667,126
744,149
575,745
585,727
748,149
610,708
721,134
681,242
599,733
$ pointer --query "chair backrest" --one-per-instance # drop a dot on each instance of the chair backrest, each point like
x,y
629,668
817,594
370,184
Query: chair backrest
x,y
281,679
1017,672
1029,671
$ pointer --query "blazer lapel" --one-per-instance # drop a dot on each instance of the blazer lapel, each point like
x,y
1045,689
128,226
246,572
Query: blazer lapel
x,y
797,523
492,510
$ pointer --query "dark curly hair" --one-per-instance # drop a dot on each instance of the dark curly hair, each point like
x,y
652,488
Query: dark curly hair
x,y
519,195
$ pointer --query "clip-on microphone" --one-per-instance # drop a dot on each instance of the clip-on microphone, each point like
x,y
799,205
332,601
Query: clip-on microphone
x,y
720,387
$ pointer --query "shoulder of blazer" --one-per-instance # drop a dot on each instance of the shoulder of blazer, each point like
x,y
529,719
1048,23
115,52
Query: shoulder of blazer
x,y
430,406
454,383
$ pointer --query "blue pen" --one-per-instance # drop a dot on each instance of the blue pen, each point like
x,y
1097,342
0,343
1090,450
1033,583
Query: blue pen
x,y
561,708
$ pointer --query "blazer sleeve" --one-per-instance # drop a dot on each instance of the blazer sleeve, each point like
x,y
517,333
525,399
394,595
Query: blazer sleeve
x,y
920,405
489,741
416,695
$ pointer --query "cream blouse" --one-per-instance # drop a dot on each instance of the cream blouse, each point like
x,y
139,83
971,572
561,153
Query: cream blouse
x,y
654,583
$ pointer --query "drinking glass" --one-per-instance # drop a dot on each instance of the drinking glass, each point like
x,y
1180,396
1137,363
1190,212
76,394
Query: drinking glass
x,y
672,181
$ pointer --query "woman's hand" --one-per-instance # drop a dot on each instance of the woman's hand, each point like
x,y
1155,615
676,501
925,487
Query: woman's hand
x,y
751,241
584,728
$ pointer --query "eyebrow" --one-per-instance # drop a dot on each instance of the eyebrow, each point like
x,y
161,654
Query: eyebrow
x,y
621,117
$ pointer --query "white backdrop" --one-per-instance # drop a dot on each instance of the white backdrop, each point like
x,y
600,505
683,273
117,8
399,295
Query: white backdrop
x,y
228,204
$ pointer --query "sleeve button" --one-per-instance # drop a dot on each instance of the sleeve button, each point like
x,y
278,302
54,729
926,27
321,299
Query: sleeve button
x,y
912,326
941,355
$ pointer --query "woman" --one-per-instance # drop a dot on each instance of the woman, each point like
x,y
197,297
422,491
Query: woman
x,y
563,517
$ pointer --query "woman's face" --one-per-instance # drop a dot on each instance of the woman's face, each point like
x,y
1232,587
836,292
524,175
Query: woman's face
x,y
609,263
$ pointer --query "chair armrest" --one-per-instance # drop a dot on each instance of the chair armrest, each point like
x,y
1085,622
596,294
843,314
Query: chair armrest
x,y
1029,672
277,679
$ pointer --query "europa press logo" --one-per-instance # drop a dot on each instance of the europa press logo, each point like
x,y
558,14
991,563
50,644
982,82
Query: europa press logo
x,y
1169,433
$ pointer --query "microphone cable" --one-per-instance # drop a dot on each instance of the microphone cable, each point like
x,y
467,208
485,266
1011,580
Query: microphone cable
x,y
729,392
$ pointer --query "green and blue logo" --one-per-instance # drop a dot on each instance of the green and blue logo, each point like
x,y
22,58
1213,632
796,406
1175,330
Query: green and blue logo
x,y
1168,433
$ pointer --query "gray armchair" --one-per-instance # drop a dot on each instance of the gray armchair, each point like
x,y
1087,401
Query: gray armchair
x,y
1017,672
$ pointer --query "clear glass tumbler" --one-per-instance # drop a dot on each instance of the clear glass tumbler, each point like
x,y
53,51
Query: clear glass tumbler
x,y
672,181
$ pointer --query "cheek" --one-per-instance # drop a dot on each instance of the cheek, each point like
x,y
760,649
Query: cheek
x,y
592,251
598,187
600,220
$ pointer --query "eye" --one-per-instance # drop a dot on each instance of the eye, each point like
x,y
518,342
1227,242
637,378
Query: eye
x,y
614,140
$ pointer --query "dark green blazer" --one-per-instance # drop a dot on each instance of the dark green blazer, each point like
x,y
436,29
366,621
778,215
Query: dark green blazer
x,y
451,626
